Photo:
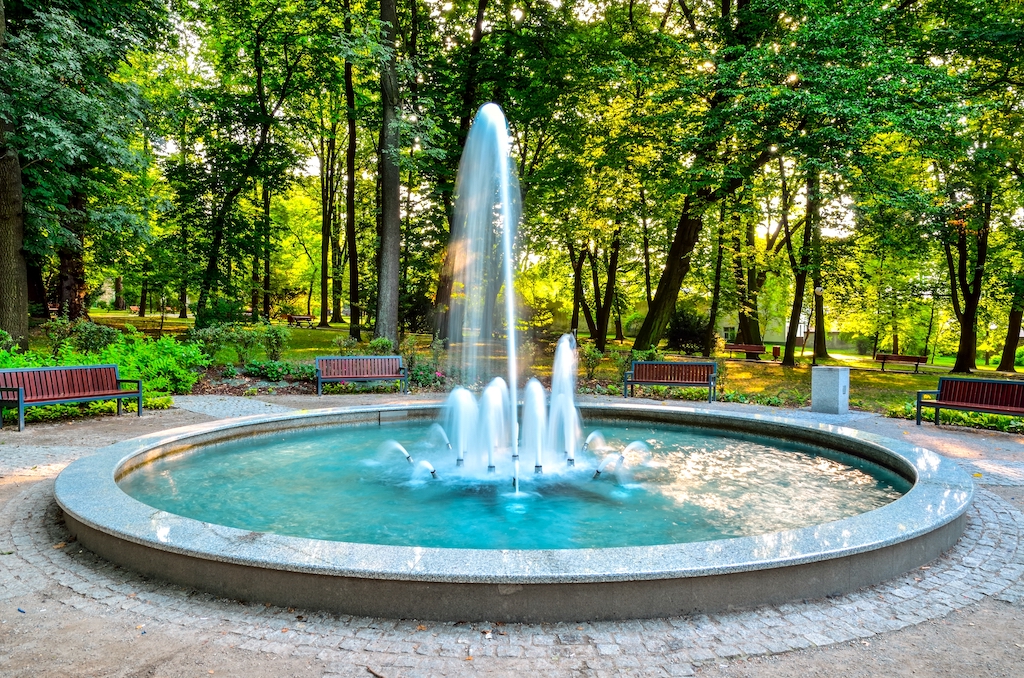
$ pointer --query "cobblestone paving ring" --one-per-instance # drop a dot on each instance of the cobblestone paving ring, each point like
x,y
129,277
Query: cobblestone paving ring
x,y
987,561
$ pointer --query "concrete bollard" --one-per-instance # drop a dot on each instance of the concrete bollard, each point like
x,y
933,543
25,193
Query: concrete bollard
x,y
830,390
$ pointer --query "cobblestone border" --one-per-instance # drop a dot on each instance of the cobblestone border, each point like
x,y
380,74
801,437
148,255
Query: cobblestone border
x,y
987,561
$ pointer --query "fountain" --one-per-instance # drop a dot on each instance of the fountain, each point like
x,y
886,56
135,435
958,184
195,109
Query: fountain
x,y
665,510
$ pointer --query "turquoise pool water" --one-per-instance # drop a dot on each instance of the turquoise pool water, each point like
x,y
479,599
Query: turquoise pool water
x,y
339,484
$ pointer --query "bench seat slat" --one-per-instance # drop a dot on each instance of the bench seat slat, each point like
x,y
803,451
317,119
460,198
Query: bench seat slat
x,y
660,373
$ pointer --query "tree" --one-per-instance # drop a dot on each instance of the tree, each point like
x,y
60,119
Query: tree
x,y
13,273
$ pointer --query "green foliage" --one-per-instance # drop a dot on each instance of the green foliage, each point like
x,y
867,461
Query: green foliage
x,y
58,331
210,339
275,370
590,358
623,360
246,339
381,346
346,345
89,337
164,365
687,330
995,422
275,340
220,311
79,410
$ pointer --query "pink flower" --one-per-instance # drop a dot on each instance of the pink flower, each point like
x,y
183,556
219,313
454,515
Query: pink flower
x,y
439,375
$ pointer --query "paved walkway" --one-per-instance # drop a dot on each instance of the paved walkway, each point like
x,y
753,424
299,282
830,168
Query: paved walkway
x,y
988,561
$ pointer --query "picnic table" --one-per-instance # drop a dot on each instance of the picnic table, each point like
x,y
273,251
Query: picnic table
x,y
300,320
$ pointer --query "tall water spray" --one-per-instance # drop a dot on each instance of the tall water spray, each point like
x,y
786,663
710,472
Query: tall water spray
x,y
487,213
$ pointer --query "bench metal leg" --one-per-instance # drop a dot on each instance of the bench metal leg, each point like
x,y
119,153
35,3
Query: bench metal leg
x,y
936,416
118,407
319,387
140,403
21,417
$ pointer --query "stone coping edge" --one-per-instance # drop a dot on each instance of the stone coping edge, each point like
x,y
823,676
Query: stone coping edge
x,y
942,492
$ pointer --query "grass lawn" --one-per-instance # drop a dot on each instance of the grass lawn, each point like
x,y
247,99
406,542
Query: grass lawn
x,y
765,381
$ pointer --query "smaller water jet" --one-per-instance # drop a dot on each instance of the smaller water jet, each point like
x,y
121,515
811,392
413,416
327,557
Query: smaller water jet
x,y
389,445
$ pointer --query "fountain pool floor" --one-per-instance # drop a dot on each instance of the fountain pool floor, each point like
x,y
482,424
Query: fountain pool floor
x,y
348,485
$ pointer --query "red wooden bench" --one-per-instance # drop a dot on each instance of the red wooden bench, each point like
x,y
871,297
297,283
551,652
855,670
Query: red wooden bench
x,y
21,388
654,373
334,369
300,320
991,396
896,358
754,350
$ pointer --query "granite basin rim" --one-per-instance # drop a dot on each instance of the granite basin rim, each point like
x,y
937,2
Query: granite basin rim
x,y
941,493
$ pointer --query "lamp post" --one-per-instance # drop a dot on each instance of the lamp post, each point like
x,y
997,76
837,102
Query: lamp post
x,y
818,291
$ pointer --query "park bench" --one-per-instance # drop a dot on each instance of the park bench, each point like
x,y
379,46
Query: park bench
x,y
991,396
335,369
917,360
300,320
133,309
25,387
654,373
755,349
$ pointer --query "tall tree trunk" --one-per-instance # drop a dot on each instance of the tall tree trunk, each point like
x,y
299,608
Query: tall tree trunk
x,y
716,290
337,268
579,298
119,304
966,291
350,192
183,301
72,262
1012,331
604,307
814,217
328,239
391,184
266,252
647,246
13,272
254,292
144,297
800,267
38,304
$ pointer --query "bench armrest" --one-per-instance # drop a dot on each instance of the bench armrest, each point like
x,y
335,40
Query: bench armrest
x,y
137,382
11,389
629,375
921,394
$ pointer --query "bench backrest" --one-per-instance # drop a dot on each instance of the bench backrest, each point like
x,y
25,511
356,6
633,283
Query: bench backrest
x,y
993,392
61,382
360,366
692,372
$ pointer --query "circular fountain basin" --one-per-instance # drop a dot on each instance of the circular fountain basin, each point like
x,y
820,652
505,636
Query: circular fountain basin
x,y
516,584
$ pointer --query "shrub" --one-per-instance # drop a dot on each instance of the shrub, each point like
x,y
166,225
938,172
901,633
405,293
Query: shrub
x,y
381,346
632,323
687,330
302,371
209,339
590,357
89,337
275,339
408,352
164,365
245,339
346,345
268,369
220,311
58,331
